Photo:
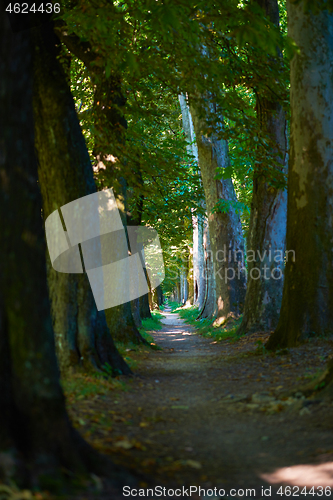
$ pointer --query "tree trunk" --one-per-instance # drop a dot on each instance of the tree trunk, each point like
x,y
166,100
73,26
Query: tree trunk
x,y
144,303
144,307
154,299
307,303
134,218
186,279
197,220
268,222
178,290
225,229
159,295
34,427
110,125
199,272
190,277
135,306
65,174
182,284
208,306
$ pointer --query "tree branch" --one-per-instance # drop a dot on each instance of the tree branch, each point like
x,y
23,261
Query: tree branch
x,y
82,50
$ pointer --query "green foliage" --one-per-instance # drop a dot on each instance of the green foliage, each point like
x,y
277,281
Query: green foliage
x,y
83,92
153,323
189,314
223,206
228,53
173,305
205,326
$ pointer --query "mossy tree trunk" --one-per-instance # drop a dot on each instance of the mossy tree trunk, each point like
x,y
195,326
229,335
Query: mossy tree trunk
x,y
190,277
34,427
268,221
208,305
109,151
198,281
144,307
225,230
65,174
110,126
307,303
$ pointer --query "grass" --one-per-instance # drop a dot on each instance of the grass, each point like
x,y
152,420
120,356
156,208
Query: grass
x,y
151,324
205,326
174,305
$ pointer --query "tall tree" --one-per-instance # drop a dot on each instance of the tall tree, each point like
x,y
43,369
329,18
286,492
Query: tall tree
x,y
225,230
140,306
109,129
208,306
268,221
110,126
307,303
197,220
35,430
65,174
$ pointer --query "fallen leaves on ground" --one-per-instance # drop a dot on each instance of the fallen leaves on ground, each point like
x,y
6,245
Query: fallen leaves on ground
x,y
152,427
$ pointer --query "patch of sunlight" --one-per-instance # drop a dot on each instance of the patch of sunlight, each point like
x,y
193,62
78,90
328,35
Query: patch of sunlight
x,y
303,475
219,321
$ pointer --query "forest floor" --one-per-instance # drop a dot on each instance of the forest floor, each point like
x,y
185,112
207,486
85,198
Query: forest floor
x,y
217,415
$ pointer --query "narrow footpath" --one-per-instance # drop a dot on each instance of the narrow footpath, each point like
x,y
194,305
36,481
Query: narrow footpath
x,y
211,414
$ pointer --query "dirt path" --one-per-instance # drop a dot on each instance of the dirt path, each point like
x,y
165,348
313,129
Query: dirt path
x,y
209,414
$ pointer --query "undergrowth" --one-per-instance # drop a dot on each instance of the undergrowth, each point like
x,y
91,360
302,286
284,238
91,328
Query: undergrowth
x,y
148,325
205,327
153,323
174,305
79,386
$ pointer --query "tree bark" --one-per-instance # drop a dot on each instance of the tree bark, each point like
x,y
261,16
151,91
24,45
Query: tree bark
x,y
178,290
197,220
190,277
109,150
225,229
144,307
65,174
159,293
135,306
110,125
199,272
183,287
268,221
34,426
208,306
154,299
307,303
